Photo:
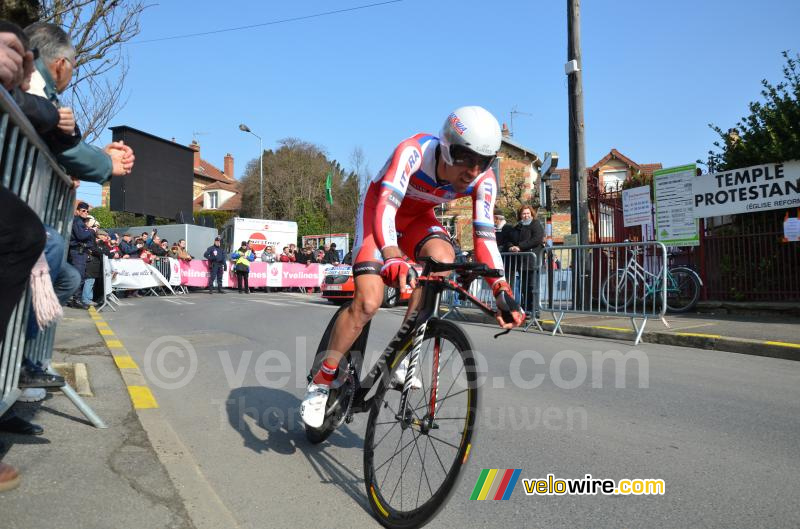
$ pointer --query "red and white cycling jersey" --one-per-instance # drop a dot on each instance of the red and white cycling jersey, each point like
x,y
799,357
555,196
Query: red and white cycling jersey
x,y
397,209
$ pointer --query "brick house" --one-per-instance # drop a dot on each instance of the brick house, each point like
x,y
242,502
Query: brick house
x,y
516,170
212,188
605,176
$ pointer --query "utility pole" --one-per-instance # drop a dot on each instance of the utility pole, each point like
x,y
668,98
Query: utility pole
x,y
577,147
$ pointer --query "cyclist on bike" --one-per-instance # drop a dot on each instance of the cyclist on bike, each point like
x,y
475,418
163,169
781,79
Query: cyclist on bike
x,y
396,217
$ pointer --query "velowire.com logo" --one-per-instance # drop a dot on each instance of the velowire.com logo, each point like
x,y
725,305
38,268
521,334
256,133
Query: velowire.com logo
x,y
495,484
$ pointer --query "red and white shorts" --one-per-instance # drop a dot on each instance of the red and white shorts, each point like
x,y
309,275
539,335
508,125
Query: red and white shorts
x,y
412,233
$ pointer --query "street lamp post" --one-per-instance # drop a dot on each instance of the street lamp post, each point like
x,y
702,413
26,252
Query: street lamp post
x,y
245,128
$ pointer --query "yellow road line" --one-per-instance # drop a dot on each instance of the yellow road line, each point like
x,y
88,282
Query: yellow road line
x,y
698,335
784,344
142,397
125,362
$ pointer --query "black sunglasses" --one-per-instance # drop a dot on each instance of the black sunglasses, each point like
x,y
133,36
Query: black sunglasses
x,y
464,157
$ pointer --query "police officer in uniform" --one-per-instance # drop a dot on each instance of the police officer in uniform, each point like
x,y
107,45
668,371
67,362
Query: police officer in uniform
x,y
217,263
80,243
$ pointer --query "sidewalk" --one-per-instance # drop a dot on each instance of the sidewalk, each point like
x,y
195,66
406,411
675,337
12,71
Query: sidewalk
x,y
776,335
76,475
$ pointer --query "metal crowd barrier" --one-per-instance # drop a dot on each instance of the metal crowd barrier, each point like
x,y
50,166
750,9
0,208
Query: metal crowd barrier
x,y
28,169
523,273
622,280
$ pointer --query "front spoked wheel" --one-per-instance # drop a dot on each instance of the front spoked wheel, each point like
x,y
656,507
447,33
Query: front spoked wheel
x,y
412,461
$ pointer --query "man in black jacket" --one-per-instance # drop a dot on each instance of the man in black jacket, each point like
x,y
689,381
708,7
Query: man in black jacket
x,y
502,230
527,236
217,262
81,240
127,248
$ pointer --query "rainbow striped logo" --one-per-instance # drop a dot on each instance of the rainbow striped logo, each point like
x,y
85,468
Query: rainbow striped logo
x,y
495,484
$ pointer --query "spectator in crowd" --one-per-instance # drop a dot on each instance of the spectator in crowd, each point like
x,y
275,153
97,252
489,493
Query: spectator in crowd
x,y
53,73
216,264
293,251
145,254
145,238
178,251
94,267
127,248
331,255
183,253
268,255
22,235
113,245
286,256
319,256
348,258
241,259
155,247
306,256
165,246
81,240
527,236
43,116
502,229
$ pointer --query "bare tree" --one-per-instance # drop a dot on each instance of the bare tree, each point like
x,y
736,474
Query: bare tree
x,y
99,29
358,161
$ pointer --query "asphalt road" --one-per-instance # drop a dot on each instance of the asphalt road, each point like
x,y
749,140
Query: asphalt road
x,y
720,429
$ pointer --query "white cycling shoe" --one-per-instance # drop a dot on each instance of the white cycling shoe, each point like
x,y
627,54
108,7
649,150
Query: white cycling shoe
x,y
312,409
399,376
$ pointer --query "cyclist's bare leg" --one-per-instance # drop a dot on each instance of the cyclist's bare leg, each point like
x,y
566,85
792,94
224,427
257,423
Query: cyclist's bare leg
x,y
367,299
440,250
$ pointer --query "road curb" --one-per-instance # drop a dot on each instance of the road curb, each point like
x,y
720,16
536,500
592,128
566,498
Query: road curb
x,y
711,342
204,506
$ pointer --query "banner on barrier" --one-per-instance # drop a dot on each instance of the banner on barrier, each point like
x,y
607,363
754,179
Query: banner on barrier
x,y
282,275
132,274
108,277
174,272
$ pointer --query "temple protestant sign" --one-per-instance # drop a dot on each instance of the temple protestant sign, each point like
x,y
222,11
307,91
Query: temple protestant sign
x,y
757,188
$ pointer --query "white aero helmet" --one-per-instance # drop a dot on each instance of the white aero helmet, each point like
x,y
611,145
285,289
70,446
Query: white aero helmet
x,y
470,129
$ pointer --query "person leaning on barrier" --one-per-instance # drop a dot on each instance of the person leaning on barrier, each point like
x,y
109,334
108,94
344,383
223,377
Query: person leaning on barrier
x,y
268,255
16,63
179,251
527,236
127,248
216,264
156,248
287,256
53,71
305,256
22,234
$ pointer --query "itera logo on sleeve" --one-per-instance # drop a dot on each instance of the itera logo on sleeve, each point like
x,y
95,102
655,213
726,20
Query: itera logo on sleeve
x,y
495,484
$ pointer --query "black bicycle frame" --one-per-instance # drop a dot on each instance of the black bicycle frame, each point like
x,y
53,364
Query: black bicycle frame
x,y
412,332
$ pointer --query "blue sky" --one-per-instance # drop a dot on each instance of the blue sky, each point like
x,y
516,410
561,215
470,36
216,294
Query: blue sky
x,y
655,73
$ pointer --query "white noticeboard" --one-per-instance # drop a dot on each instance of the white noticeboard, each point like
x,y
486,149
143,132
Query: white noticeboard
x,y
747,190
675,221
791,229
637,208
